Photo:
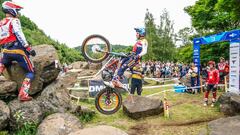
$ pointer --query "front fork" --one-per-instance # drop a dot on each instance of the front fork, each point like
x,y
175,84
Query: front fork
x,y
108,96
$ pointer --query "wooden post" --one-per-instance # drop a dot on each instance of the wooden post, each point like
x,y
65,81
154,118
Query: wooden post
x,y
225,84
165,105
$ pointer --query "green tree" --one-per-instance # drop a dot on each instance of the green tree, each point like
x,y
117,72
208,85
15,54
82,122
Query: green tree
x,y
210,17
185,36
166,35
160,37
151,35
214,15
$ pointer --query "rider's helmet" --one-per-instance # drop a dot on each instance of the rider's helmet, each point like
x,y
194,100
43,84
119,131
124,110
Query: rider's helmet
x,y
141,31
11,8
211,63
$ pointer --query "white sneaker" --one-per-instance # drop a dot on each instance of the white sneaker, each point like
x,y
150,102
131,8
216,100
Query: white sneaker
x,y
205,104
212,105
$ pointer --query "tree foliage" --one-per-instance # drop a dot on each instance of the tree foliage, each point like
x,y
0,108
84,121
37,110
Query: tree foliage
x,y
210,17
161,38
215,15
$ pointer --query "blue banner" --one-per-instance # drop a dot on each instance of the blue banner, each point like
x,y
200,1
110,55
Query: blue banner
x,y
224,36
234,38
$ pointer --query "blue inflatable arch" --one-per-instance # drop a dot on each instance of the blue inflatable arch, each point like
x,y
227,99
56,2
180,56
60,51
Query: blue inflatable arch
x,y
233,37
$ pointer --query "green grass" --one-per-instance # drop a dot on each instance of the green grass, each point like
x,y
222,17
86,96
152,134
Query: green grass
x,y
3,132
187,115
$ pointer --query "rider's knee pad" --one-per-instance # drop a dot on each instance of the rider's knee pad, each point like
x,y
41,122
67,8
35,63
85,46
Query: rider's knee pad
x,y
2,67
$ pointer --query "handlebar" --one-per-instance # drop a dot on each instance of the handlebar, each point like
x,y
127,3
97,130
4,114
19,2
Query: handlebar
x,y
114,53
118,54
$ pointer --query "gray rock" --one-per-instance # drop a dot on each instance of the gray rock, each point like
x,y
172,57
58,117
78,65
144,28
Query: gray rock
x,y
59,124
235,103
225,98
82,110
225,126
227,109
7,86
95,66
87,73
83,95
55,97
44,63
24,112
229,104
4,115
142,107
79,65
99,130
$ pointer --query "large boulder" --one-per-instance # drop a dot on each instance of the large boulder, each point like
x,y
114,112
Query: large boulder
x,y
82,110
225,98
229,104
142,107
4,115
99,130
44,64
79,65
24,112
225,126
235,103
59,124
7,87
95,66
55,97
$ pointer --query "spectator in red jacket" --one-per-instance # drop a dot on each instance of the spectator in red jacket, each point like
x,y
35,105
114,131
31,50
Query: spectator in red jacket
x,y
221,67
212,82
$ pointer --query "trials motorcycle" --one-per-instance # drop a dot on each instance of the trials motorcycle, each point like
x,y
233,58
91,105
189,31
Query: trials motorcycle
x,y
97,49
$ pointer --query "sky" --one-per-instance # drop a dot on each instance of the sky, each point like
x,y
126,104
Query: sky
x,y
70,21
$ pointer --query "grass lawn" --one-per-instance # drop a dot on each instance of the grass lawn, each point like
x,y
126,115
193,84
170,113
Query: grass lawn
x,y
187,116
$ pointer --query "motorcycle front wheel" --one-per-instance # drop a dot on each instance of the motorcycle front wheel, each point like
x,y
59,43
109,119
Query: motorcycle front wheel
x,y
108,101
95,48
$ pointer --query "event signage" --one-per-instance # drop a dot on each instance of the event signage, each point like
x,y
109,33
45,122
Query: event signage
x,y
234,38
234,72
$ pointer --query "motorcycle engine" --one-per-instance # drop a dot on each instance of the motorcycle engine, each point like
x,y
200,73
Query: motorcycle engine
x,y
107,75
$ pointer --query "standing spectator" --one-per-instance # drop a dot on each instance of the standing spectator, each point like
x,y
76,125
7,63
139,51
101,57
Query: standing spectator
x,y
226,69
193,72
212,82
144,67
221,68
157,67
152,68
163,70
137,76
148,68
